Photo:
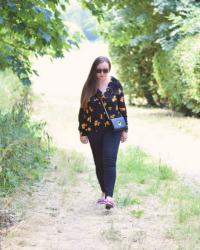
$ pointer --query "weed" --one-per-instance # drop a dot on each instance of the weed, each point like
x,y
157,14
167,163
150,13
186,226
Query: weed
x,y
127,200
137,213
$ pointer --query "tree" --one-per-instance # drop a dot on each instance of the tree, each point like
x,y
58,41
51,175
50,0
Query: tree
x,y
133,57
31,27
136,30
82,20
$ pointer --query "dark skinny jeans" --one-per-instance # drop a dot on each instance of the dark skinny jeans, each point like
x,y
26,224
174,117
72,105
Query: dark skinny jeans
x,y
104,146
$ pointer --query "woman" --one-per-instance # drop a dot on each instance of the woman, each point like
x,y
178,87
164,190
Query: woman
x,y
95,127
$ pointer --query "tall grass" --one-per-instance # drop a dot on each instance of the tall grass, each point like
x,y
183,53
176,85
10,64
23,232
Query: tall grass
x,y
24,144
11,90
135,165
70,163
139,175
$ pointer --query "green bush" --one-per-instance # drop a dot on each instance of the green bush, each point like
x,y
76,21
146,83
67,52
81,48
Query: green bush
x,y
178,75
24,147
10,90
134,68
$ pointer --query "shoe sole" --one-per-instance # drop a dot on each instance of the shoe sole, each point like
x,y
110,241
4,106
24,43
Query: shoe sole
x,y
109,206
101,201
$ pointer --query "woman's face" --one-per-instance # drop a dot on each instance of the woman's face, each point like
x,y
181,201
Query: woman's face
x,y
102,71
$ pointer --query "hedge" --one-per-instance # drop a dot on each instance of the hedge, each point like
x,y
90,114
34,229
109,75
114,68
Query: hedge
x,y
178,75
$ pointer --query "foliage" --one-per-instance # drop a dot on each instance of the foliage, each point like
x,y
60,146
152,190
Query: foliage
x,y
182,20
160,21
178,74
24,146
10,90
136,72
134,61
31,27
81,20
136,30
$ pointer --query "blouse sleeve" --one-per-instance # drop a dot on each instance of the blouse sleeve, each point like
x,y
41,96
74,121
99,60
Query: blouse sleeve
x,y
121,104
82,122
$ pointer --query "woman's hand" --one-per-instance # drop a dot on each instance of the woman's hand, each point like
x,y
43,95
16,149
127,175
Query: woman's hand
x,y
124,136
84,139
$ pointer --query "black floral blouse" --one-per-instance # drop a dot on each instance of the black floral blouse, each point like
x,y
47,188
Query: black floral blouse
x,y
94,117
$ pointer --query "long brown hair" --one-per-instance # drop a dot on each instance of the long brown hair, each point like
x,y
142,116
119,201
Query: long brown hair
x,y
90,86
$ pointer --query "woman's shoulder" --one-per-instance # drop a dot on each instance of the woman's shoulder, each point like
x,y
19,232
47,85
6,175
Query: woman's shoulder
x,y
115,81
115,85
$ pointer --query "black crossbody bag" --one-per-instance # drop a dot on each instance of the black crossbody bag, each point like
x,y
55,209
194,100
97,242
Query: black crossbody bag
x,y
117,123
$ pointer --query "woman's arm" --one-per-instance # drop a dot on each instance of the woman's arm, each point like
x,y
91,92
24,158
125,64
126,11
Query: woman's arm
x,y
121,104
82,117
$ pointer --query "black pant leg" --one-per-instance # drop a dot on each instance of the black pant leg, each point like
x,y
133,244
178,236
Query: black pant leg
x,y
96,144
111,142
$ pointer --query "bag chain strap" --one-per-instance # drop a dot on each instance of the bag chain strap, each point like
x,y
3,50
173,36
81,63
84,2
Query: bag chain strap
x,y
105,108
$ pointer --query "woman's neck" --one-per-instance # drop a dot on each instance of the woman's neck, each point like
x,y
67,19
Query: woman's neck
x,y
104,82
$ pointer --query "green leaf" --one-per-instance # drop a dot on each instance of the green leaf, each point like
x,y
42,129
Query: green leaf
x,y
32,27
26,81
1,20
63,7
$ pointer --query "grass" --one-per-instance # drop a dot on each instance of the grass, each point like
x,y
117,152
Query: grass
x,y
10,89
135,165
188,125
63,170
127,200
141,176
69,163
137,213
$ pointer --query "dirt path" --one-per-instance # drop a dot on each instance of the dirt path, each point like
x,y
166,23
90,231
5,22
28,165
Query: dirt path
x,y
56,220
60,217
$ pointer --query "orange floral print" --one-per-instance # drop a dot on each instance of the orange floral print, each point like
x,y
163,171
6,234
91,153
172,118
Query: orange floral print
x,y
96,123
114,99
84,125
121,99
107,123
89,119
90,109
94,115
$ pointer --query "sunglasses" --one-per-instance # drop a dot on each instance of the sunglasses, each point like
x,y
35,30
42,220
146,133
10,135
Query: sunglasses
x,y
105,71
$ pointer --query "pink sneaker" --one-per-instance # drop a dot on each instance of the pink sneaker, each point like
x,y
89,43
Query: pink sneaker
x,y
101,201
109,204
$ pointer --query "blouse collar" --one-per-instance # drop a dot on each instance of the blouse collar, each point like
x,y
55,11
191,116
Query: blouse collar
x,y
108,89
